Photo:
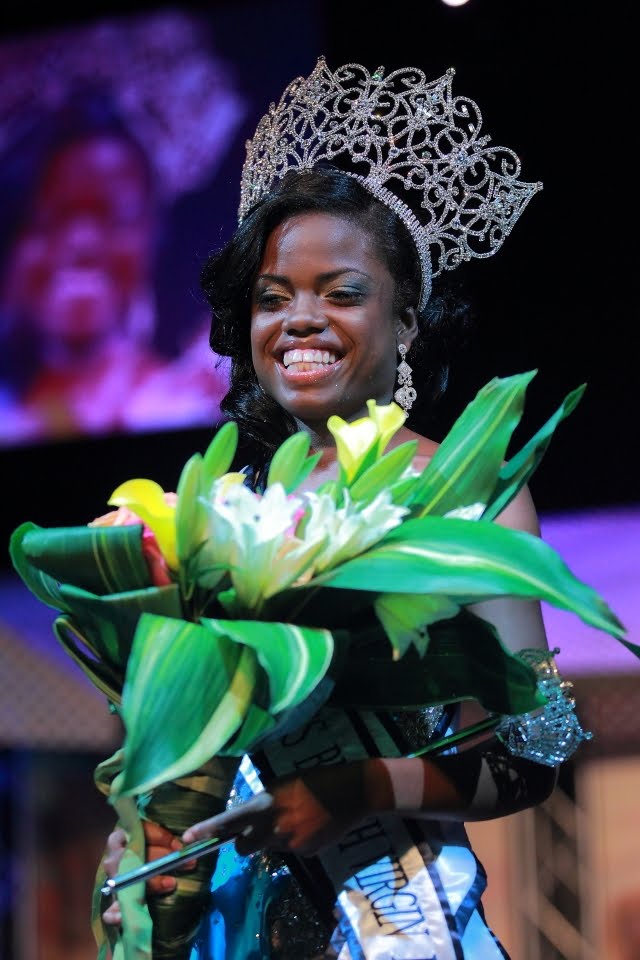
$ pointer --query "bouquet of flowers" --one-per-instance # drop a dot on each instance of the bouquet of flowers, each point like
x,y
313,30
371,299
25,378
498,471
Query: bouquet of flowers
x,y
217,618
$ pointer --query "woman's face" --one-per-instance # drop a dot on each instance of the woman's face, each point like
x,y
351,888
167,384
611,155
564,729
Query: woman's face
x,y
86,250
324,331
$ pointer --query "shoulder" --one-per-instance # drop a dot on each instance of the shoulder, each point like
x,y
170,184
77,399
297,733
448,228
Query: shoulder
x,y
425,447
520,514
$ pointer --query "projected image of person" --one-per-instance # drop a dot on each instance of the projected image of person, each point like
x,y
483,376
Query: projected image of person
x,y
84,223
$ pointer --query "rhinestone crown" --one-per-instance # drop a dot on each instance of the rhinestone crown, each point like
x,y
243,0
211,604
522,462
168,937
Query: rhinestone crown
x,y
410,142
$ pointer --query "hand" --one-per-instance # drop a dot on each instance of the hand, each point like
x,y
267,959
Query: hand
x,y
159,842
302,814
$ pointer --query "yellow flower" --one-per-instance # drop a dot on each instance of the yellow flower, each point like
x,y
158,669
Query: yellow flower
x,y
388,418
155,508
362,442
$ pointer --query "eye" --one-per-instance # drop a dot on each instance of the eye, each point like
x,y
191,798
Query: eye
x,y
347,295
269,299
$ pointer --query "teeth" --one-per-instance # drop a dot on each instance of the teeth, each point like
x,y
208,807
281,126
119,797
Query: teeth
x,y
308,356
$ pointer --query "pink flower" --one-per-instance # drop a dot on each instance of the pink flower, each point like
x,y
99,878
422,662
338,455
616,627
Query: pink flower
x,y
124,517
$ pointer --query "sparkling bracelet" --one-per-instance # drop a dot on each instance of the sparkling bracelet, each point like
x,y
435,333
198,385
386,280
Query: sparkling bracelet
x,y
551,734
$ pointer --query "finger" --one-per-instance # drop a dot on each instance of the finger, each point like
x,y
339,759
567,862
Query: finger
x,y
111,862
112,915
162,884
157,835
116,841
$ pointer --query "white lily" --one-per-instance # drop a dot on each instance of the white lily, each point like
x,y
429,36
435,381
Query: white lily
x,y
472,511
253,535
349,529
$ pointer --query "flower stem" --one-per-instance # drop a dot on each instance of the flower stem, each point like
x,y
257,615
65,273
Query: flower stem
x,y
489,723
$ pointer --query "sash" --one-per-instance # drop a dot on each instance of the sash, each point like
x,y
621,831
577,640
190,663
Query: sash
x,y
402,889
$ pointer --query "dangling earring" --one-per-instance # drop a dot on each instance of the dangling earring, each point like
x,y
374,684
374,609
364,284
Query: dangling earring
x,y
405,394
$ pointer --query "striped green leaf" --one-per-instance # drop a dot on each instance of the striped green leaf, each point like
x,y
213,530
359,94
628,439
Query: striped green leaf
x,y
106,679
470,561
45,587
99,559
386,472
257,723
294,658
465,468
181,671
516,472
290,464
109,623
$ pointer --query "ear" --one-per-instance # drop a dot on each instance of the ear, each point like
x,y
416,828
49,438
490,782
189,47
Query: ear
x,y
407,329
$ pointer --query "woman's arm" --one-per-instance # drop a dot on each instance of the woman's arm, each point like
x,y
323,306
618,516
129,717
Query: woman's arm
x,y
519,622
485,781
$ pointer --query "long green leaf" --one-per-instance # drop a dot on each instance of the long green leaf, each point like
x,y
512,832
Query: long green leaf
x,y
385,472
219,455
109,623
45,587
181,670
290,464
406,618
104,678
294,658
255,725
99,559
471,561
516,472
464,469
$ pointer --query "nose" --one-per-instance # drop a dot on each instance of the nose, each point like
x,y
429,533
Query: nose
x,y
82,237
305,316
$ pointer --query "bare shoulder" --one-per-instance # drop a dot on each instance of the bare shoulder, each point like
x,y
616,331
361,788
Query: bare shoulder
x,y
520,514
425,450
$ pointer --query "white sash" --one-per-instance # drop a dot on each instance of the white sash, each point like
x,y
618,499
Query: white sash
x,y
404,889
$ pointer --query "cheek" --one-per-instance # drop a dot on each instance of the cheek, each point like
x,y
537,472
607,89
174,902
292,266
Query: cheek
x,y
258,339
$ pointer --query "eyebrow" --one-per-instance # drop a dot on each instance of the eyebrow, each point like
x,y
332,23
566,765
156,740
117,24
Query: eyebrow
x,y
323,277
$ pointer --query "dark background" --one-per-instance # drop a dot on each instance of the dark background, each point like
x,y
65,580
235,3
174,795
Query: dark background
x,y
554,82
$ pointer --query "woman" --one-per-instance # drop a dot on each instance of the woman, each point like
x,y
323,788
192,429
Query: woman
x,y
318,297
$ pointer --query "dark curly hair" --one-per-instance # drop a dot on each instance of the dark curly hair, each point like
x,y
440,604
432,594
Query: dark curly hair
x,y
228,275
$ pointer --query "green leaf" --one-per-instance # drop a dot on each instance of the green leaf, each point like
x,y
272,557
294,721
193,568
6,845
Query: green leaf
x,y
219,454
45,587
290,464
470,561
294,658
255,725
465,661
99,559
406,617
181,670
384,473
109,623
191,522
464,470
189,511
106,679
516,472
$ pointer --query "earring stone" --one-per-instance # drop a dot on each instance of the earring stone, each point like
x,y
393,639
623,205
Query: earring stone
x,y
405,394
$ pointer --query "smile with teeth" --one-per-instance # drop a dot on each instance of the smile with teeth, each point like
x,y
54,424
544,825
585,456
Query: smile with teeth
x,y
303,360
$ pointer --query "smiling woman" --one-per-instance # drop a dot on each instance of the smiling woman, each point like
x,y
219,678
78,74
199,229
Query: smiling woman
x,y
358,189
322,288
